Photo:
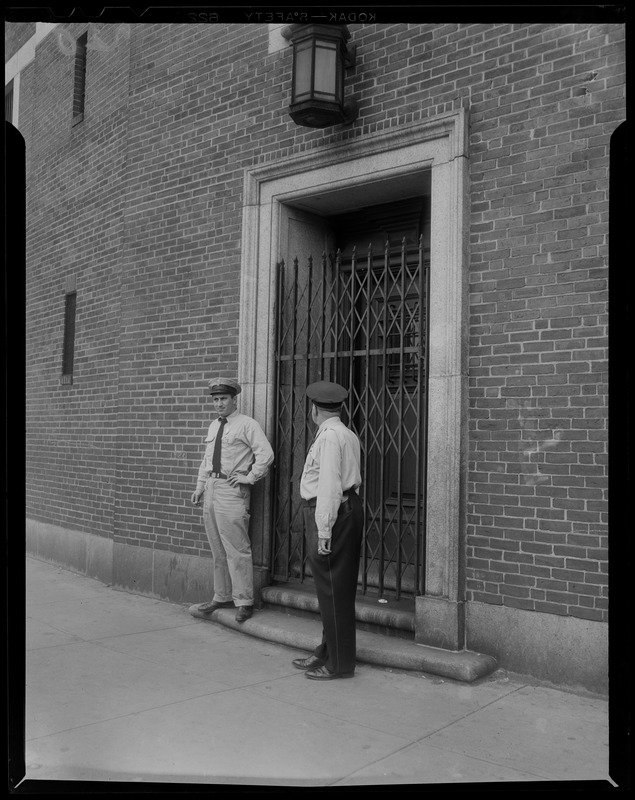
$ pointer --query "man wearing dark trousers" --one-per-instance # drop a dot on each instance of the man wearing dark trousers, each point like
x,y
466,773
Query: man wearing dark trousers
x,y
333,520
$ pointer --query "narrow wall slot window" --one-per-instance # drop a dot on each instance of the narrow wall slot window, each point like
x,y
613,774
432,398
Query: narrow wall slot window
x,y
79,85
8,102
68,354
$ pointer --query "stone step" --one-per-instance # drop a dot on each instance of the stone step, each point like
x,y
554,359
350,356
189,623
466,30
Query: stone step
x,y
305,632
390,617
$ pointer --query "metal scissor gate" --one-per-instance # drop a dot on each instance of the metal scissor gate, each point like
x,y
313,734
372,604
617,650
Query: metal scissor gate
x,y
359,320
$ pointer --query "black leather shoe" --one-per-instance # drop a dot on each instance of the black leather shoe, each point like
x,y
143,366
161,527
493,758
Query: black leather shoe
x,y
207,608
307,663
324,674
243,613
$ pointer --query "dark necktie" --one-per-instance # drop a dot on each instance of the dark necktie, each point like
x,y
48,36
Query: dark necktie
x,y
217,445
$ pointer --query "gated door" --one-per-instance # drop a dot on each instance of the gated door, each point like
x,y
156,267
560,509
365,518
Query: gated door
x,y
358,317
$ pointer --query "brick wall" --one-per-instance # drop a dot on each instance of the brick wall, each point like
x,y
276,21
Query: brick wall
x,y
15,35
75,216
541,126
154,176
180,291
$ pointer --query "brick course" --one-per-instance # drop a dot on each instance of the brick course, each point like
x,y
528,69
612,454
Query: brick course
x,y
16,34
142,202
562,435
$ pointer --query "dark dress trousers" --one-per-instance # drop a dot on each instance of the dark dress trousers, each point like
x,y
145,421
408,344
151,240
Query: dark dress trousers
x,y
335,577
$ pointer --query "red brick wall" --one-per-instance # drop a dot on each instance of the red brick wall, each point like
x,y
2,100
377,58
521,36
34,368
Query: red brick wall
x,y
154,178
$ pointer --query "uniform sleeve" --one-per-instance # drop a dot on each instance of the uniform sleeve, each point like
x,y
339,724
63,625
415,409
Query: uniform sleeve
x,y
202,470
202,477
262,450
329,494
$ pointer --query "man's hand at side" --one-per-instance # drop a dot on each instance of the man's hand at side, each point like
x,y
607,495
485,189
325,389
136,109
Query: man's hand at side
x,y
324,546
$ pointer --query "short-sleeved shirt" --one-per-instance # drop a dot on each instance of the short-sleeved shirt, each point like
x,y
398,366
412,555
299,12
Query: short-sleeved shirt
x,y
332,467
245,448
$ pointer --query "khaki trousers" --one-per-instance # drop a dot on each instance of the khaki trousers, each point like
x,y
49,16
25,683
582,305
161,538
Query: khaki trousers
x,y
226,520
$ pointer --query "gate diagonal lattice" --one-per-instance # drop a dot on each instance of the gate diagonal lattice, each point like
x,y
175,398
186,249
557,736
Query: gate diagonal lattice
x,y
362,322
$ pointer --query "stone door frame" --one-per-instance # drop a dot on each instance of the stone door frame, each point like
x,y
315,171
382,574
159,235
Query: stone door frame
x,y
439,145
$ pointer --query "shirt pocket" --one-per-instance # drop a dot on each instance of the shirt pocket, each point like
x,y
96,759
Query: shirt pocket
x,y
209,447
210,440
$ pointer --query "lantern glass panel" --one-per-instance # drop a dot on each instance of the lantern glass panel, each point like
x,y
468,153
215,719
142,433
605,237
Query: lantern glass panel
x,y
326,68
303,70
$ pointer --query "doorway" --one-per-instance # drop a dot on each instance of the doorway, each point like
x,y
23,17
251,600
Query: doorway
x,y
352,307
429,159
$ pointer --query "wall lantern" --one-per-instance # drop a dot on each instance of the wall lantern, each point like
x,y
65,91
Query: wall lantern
x,y
320,57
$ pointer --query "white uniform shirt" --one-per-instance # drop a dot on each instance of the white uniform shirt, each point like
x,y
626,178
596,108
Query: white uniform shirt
x,y
245,448
332,467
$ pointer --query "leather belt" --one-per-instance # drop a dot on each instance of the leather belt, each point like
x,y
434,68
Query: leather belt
x,y
312,502
217,475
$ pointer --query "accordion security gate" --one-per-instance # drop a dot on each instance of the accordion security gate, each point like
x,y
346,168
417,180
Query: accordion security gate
x,y
360,321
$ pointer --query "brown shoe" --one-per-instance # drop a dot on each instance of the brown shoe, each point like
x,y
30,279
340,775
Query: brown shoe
x,y
243,613
307,663
212,605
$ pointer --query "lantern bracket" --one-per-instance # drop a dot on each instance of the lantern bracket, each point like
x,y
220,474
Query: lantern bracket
x,y
351,56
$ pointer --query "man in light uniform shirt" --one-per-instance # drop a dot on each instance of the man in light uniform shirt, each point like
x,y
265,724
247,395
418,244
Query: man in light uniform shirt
x,y
237,455
333,519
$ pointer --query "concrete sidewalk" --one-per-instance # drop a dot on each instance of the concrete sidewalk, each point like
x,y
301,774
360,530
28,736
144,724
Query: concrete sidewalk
x,y
121,687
